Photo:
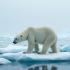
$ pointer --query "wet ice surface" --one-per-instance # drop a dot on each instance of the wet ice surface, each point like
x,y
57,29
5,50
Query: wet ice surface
x,y
12,57
35,67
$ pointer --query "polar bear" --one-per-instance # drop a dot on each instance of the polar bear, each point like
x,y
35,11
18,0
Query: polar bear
x,y
35,36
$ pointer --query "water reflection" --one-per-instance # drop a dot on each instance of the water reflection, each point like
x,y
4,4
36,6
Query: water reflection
x,y
43,67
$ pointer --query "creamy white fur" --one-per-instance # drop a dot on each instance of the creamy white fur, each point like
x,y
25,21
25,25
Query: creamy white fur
x,y
35,36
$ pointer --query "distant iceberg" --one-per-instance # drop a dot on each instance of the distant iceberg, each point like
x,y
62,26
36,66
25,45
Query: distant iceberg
x,y
4,61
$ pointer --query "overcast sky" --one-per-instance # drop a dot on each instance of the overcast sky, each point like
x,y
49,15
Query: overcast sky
x,y
17,15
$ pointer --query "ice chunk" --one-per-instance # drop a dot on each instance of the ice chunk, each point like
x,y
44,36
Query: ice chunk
x,y
49,58
20,57
53,56
4,61
12,56
13,49
66,48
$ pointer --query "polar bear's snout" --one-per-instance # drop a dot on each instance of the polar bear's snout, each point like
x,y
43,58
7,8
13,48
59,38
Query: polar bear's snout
x,y
15,41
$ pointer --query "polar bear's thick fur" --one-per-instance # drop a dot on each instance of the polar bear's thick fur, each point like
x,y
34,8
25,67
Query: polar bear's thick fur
x,y
35,36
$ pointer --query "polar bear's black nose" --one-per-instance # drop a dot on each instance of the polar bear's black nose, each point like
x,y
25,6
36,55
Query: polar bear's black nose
x,y
14,42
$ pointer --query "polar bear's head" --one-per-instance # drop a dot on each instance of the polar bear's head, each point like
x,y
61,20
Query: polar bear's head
x,y
19,38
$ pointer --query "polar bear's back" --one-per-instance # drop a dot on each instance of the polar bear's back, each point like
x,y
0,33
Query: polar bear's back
x,y
42,33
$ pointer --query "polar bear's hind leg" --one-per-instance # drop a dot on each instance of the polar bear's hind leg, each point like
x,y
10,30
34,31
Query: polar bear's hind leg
x,y
54,48
49,43
46,46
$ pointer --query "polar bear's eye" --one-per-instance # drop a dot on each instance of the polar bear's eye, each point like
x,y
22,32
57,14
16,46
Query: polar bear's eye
x,y
21,35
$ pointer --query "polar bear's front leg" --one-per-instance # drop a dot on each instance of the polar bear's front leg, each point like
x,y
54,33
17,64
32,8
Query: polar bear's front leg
x,y
31,42
30,47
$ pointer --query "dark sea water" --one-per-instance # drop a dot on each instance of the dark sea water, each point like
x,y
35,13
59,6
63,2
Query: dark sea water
x,y
18,66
